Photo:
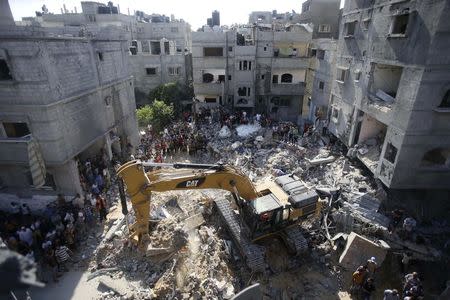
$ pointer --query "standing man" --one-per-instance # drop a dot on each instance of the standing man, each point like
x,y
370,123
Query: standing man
x,y
100,204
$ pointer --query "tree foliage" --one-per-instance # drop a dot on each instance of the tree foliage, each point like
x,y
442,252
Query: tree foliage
x,y
172,93
158,114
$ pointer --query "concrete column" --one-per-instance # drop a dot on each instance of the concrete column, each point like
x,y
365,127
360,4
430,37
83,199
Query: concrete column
x,y
108,146
67,178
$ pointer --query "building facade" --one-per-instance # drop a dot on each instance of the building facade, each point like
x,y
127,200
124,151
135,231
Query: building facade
x,y
62,97
324,15
391,93
253,69
159,46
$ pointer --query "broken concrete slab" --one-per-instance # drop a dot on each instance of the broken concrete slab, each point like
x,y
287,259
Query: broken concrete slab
x,y
110,234
118,286
150,251
319,161
193,222
359,249
364,208
100,272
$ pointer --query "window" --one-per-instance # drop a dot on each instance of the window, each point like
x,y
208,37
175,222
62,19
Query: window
x,y
221,78
341,74
229,77
242,101
445,103
208,77
365,24
321,85
263,76
275,79
155,48
385,81
213,51
244,91
15,130
265,48
230,48
437,158
145,46
173,71
150,71
100,56
166,48
324,28
334,114
174,29
320,54
108,100
5,74
313,52
210,100
349,29
245,65
286,78
357,75
399,24
391,153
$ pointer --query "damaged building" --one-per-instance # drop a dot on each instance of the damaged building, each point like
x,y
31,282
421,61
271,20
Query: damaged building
x,y
323,17
390,100
62,97
159,46
252,68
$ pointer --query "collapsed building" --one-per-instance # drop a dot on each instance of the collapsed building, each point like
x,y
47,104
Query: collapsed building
x,y
62,97
390,95
159,46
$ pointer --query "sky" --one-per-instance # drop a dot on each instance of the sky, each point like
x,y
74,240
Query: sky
x,y
195,12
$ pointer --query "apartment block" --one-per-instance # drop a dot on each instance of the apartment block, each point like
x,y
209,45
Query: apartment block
x,y
61,98
390,99
252,68
324,15
320,77
159,45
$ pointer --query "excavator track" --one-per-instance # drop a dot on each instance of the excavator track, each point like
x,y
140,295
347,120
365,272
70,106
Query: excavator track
x,y
254,255
295,240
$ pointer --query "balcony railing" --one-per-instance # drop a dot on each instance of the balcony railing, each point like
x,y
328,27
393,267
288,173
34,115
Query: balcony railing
x,y
14,150
288,88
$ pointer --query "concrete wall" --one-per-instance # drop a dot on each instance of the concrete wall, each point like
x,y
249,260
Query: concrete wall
x,y
415,124
322,12
70,91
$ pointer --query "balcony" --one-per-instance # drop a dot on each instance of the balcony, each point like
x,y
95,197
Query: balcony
x,y
288,88
212,88
290,63
14,150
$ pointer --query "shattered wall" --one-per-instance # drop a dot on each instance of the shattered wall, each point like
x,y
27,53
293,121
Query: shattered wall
x,y
415,121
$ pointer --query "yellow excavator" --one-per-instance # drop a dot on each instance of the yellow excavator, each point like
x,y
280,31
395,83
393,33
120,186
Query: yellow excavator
x,y
271,208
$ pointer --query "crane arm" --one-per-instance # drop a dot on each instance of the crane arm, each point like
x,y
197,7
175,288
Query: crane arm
x,y
139,184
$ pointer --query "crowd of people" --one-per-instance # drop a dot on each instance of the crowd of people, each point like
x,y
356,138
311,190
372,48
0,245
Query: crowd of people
x,y
363,284
179,137
50,237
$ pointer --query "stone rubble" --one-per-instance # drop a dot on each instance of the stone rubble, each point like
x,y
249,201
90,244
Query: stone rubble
x,y
201,264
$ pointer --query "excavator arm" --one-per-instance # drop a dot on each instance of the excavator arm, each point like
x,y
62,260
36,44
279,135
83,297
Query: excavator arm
x,y
139,185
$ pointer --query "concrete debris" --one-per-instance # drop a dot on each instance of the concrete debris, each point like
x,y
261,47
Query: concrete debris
x,y
224,132
365,209
114,228
191,256
358,249
244,131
